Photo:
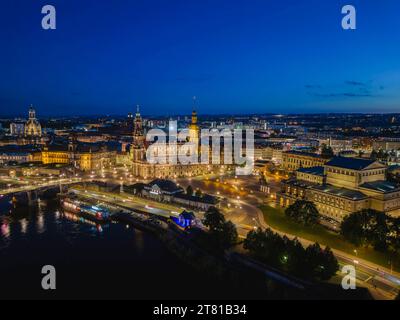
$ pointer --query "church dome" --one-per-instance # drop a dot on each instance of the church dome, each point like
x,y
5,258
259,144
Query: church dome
x,y
32,126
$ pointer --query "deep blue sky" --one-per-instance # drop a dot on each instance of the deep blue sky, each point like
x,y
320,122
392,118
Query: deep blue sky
x,y
242,56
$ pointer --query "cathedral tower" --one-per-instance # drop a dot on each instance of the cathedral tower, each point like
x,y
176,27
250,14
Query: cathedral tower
x,y
138,131
194,130
32,126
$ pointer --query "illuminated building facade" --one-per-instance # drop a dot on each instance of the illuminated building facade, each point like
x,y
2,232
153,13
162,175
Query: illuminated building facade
x,y
342,186
85,157
32,126
141,167
294,160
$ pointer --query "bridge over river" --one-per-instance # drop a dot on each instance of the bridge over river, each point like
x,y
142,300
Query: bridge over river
x,y
34,189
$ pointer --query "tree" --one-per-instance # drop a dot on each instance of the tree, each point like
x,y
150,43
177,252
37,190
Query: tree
x,y
189,190
382,155
374,155
322,263
368,227
290,256
394,238
266,246
378,234
303,212
354,227
394,178
214,220
229,235
326,151
294,258
222,233
199,193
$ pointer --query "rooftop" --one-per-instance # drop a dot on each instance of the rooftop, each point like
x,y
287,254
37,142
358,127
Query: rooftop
x,y
381,186
351,163
299,183
304,154
204,199
316,171
165,185
341,192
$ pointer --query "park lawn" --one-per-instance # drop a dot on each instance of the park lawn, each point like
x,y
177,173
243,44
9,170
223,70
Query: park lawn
x,y
276,218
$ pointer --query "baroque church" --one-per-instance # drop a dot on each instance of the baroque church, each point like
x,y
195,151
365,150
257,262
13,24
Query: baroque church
x,y
32,126
143,168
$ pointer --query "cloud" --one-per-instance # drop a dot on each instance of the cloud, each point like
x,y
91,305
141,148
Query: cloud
x,y
312,86
356,83
342,94
350,89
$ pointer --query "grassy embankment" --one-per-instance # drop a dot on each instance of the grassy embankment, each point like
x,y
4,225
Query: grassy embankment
x,y
276,218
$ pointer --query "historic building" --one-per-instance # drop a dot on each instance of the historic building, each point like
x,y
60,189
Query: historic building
x,y
32,127
142,167
342,186
85,157
24,133
17,129
293,160
168,191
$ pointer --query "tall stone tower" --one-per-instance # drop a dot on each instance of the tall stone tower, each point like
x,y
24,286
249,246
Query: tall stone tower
x,y
137,150
138,130
194,131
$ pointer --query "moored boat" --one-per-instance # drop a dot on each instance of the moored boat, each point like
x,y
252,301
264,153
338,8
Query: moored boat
x,y
94,213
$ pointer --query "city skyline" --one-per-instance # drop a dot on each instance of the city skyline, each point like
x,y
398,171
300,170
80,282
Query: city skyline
x,y
104,59
195,151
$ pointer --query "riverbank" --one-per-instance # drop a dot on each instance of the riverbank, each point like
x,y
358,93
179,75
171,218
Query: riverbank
x,y
112,262
276,218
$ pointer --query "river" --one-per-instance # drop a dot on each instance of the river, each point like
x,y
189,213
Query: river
x,y
109,262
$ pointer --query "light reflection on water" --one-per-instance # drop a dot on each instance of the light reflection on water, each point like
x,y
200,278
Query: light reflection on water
x,y
29,225
24,226
106,261
48,220
5,230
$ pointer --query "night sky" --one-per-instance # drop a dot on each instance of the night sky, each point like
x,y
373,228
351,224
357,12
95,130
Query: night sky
x,y
242,56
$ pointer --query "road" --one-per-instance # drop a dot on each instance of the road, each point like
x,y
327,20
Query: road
x,y
241,205
245,213
129,201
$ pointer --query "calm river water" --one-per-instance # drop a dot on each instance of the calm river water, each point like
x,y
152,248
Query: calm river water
x,y
91,261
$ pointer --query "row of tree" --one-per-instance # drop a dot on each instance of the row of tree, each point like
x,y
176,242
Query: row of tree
x,y
268,247
381,155
372,228
364,228
288,255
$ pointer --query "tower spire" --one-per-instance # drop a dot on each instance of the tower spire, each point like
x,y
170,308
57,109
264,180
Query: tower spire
x,y
194,103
